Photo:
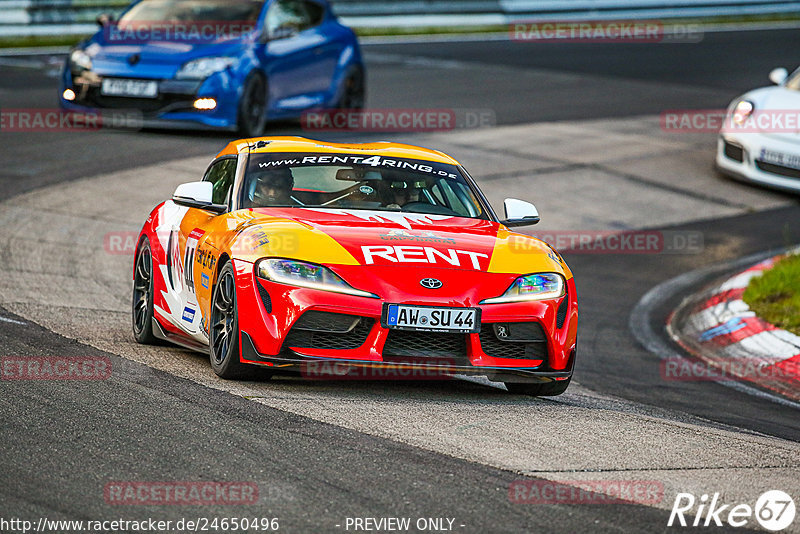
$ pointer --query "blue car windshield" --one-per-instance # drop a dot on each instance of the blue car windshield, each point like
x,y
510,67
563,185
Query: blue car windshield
x,y
355,181
150,11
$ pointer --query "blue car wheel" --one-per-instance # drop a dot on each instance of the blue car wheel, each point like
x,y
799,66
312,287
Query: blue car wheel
x,y
354,91
252,115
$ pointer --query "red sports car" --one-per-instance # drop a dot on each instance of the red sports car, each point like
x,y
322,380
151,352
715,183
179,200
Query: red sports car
x,y
292,253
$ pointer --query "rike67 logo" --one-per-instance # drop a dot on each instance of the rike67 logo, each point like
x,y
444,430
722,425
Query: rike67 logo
x,y
774,510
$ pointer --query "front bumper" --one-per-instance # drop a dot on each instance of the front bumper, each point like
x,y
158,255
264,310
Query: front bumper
x,y
317,367
173,105
738,156
270,316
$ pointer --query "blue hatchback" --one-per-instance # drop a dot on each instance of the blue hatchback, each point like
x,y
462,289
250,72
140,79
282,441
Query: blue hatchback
x,y
230,64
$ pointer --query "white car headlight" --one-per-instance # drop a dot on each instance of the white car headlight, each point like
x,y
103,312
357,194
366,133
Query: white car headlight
x,y
200,69
79,61
741,111
304,274
537,286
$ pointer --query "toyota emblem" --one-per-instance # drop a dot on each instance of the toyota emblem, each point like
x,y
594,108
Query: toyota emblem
x,y
431,283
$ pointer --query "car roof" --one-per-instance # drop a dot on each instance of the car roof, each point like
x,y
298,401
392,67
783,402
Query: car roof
x,y
301,144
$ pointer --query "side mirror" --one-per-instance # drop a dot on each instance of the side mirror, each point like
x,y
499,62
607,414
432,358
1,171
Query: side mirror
x,y
104,19
197,195
778,76
519,213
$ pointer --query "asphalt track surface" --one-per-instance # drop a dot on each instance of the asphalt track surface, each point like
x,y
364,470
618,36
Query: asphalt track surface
x,y
61,441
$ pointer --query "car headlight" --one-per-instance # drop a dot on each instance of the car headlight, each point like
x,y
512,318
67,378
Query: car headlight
x,y
741,111
304,274
79,60
537,286
200,69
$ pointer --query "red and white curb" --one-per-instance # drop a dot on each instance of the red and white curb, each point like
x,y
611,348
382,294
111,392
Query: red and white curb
x,y
718,328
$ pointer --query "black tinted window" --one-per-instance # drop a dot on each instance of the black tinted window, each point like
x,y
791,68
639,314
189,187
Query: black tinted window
x,y
287,17
222,175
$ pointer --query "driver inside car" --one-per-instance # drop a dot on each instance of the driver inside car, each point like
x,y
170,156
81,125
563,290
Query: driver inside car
x,y
402,192
274,188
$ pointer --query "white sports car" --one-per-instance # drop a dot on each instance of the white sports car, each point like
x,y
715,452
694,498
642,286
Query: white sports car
x,y
760,139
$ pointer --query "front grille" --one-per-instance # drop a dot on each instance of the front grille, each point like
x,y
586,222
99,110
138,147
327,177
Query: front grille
x,y
172,96
780,170
338,323
734,152
333,331
429,345
514,340
162,103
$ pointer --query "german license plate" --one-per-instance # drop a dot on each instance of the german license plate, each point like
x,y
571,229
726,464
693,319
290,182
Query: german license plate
x,y
779,158
133,88
431,318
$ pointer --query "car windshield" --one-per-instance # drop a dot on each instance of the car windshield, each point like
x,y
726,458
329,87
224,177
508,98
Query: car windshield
x,y
148,11
356,181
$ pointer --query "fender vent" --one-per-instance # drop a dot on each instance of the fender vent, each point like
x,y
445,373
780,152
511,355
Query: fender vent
x,y
561,313
265,298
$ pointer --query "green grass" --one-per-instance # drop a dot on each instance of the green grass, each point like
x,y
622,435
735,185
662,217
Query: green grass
x,y
428,30
40,40
775,296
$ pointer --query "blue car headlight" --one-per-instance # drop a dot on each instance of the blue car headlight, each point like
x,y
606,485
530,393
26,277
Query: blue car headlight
x,y
304,274
200,69
537,286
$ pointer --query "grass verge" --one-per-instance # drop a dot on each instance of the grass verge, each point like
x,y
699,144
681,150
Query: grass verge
x,y
410,31
775,296
40,41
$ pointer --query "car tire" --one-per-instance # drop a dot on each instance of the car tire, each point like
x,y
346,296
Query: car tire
x,y
142,297
354,92
223,331
545,389
252,113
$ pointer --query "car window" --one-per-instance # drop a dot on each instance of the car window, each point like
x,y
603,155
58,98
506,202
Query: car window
x,y
222,175
315,13
287,17
183,11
